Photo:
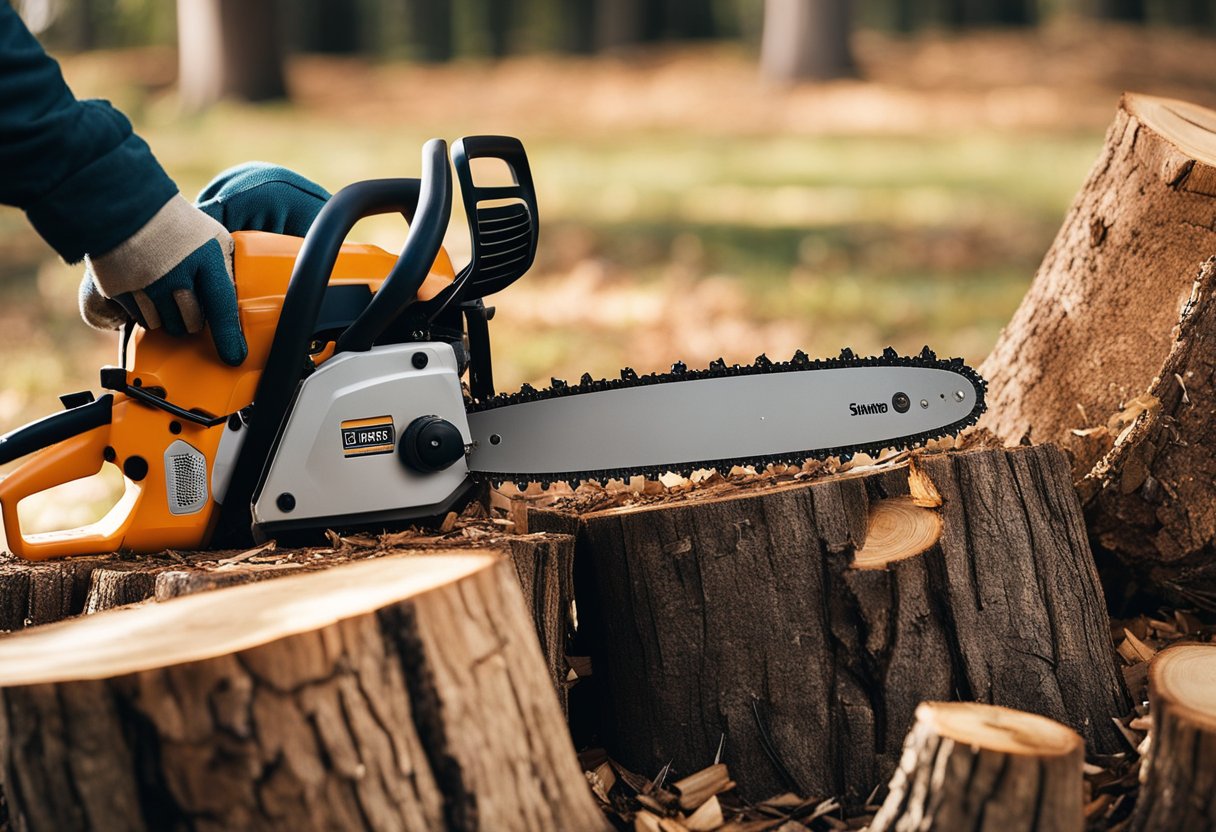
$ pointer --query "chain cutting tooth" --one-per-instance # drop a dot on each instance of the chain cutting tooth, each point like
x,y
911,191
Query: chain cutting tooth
x,y
679,368
847,354
889,353
558,384
718,365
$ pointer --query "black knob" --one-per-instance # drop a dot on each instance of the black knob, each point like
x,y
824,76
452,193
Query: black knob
x,y
431,444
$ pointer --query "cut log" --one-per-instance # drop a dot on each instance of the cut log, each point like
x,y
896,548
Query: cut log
x,y
1110,354
396,693
1178,775
968,766
49,591
807,622
40,593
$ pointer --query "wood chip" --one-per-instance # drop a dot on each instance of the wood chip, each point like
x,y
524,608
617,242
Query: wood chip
x,y
1097,806
449,522
1138,648
360,540
235,559
580,666
786,800
708,817
697,788
646,822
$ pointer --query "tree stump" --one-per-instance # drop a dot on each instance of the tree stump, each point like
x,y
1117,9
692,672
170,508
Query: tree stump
x,y
1110,353
1178,775
395,693
49,591
968,766
805,623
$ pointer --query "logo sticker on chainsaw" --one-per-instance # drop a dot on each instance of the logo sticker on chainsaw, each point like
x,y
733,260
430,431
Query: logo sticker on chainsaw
x,y
364,437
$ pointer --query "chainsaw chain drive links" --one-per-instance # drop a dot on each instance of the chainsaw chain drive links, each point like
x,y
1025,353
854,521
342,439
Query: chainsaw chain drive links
x,y
718,368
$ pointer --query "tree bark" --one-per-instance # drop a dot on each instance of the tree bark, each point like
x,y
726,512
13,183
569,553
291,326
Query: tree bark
x,y
396,693
967,766
1109,352
1178,776
805,624
40,593
807,40
229,49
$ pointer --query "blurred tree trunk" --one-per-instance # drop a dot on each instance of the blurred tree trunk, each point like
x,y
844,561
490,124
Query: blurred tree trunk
x,y
499,16
229,49
903,17
431,21
963,13
330,27
82,26
1201,13
690,19
806,40
1131,11
578,26
620,23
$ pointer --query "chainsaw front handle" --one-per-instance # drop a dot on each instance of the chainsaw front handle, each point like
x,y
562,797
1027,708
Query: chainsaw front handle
x,y
427,203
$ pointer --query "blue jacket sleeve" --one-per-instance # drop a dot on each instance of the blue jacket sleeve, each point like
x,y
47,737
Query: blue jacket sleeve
x,y
83,178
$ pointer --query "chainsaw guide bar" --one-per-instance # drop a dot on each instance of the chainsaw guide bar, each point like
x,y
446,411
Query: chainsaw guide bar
x,y
679,374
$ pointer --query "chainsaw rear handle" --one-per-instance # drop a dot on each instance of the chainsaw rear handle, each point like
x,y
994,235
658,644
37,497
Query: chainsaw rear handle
x,y
427,204
71,445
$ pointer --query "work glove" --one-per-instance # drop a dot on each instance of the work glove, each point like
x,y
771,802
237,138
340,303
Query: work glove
x,y
175,272
255,196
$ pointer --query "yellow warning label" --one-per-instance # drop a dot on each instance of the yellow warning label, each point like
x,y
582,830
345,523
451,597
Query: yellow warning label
x,y
364,437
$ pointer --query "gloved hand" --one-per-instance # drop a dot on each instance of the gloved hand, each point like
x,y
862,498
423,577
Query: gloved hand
x,y
175,272
255,196
258,196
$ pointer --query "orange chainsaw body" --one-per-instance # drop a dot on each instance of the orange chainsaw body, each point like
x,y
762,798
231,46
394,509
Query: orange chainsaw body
x,y
188,373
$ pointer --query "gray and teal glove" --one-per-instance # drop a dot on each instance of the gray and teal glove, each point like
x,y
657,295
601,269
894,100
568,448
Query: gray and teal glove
x,y
175,272
255,196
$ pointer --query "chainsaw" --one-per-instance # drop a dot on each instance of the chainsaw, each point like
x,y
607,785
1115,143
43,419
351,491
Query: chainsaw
x,y
350,410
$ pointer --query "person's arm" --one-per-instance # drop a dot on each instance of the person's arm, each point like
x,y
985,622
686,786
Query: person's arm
x,y
68,163
93,189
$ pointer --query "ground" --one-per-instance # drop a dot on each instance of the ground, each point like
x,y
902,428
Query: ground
x,y
689,211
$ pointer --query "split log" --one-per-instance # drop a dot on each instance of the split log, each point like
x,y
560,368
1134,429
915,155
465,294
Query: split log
x,y
396,693
805,623
968,766
1178,774
1110,352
